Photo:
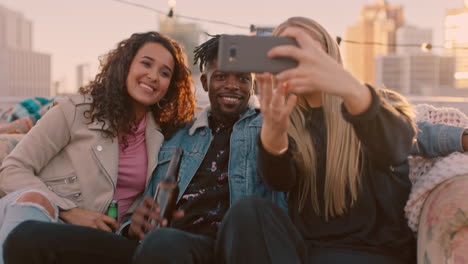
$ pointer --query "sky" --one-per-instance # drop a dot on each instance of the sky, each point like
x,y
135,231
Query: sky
x,y
79,31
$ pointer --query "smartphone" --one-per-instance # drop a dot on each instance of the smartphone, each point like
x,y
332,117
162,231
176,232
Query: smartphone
x,y
240,53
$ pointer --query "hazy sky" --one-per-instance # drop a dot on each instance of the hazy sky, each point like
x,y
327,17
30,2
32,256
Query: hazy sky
x,y
78,31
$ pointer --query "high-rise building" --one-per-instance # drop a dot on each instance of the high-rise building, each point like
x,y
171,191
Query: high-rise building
x,y
15,30
83,75
417,74
412,70
375,30
456,42
23,72
407,36
257,30
187,34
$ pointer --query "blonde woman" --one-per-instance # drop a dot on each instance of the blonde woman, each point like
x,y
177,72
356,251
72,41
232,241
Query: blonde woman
x,y
339,151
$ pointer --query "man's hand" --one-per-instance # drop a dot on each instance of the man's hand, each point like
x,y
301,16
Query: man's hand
x,y
465,141
145,218
78,216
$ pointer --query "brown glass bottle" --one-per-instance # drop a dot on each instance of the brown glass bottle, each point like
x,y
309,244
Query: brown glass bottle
x,y
167,190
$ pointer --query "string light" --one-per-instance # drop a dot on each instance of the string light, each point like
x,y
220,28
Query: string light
x,y
339,40
423,46
172,4
140,6
426,46
182,16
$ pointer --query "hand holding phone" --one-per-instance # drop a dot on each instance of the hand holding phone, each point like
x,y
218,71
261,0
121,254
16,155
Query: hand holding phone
x,y
239,53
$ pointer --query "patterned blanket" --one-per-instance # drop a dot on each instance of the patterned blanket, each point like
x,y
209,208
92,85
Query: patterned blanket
x,y
427,174
18,120
7,143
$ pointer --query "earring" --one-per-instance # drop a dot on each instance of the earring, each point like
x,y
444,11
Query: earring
x,y
161,100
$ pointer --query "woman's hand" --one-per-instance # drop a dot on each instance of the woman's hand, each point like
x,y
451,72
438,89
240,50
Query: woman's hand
x,y
318,72
276,110
146,216
78,216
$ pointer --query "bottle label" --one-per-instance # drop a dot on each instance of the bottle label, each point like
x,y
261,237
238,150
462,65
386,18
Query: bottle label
x,y
113,210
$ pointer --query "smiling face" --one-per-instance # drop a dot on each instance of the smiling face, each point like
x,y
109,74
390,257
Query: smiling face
x,y
149,76
229,93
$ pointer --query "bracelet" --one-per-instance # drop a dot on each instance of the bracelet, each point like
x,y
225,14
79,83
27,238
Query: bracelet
x,y
280,152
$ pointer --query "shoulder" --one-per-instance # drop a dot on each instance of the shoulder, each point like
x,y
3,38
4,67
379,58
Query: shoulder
x,y
73,106
73,101
253,117
181,134
257,118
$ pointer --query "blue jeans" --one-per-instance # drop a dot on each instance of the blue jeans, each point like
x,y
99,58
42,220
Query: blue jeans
x,y
257,231
171,246
12,213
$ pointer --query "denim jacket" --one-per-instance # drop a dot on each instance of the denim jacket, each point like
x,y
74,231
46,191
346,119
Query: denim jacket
x,y
437,140
195,139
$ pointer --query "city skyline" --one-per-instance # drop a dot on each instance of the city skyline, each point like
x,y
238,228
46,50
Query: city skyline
x,y
23,71
77,32
377,23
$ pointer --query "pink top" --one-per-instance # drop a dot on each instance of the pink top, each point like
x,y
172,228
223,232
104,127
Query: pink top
x,y
133,166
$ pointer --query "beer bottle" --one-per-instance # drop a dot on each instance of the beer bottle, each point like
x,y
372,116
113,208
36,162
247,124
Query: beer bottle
x,y
167,190
113,209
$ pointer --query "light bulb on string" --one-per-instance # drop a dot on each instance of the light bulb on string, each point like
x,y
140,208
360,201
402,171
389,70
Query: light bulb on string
x,y
172,4
426,47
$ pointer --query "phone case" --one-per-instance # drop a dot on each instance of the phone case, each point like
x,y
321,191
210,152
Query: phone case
x,y
238,53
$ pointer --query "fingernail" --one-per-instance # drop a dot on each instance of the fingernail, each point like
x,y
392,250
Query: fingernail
x,y
286,86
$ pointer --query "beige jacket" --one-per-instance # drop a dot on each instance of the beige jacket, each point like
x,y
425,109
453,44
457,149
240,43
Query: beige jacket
x,y
69,159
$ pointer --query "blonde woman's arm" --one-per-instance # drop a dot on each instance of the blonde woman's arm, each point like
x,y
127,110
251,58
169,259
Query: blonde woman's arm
x,y
276,110
318,72
378,125
275,163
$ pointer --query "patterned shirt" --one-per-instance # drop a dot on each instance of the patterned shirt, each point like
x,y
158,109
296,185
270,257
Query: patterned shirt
x,y
206,198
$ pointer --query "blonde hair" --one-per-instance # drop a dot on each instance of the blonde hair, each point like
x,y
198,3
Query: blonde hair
x,y
400,104
343,165
398,101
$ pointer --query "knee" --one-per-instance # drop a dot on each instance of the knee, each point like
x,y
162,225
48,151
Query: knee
x,y
245,215
164,245
19,241
166,238
39,199
249,208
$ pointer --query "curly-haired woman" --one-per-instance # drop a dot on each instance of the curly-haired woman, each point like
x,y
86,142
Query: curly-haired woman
x,y
103,144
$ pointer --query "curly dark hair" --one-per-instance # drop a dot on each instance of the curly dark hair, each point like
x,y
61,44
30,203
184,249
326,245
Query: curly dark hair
x,y
111,100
